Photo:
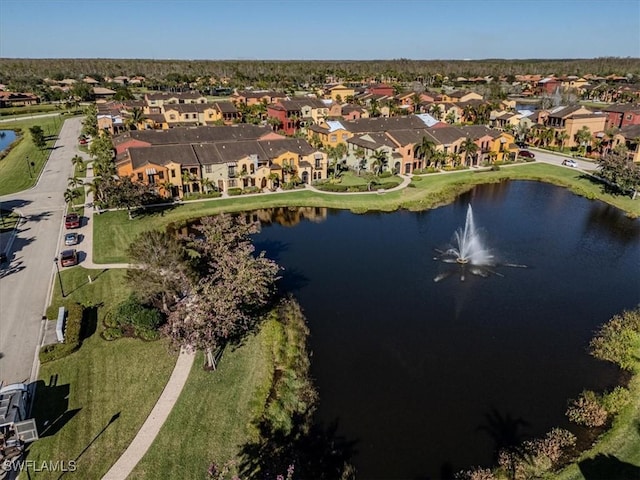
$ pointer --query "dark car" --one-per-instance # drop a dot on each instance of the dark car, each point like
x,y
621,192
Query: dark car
x,y
68,258
526,154
72,221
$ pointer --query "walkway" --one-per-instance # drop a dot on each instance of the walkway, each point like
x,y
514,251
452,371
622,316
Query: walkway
x,y
152,425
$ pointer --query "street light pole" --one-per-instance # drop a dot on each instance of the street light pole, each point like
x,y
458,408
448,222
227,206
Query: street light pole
x,y
55,261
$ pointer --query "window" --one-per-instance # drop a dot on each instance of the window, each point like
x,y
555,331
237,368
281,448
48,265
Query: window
x,y
161,175
207,169
232,183
231,171
173,173
344,136
334,138
172,117
140,178
318,163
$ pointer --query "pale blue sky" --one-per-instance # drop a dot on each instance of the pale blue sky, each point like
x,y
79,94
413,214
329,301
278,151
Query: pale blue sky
x,y
311,30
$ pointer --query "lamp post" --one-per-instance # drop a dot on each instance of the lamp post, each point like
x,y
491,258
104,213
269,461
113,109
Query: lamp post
x,y
55,262
29,168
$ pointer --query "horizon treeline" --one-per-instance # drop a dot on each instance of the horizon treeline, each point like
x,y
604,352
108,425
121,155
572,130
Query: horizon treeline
x,y
311,71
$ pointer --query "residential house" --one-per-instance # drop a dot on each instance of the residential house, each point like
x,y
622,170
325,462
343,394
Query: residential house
x,y
159,99
629,135
330,134
15,99
547,86
464,96
353,112
622,115
370,144
380,89
339,93
225,112
572,119
254,97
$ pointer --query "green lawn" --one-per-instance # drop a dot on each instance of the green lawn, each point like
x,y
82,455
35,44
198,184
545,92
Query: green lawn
x,y
30,109
211,419
14,168
102,379
114,231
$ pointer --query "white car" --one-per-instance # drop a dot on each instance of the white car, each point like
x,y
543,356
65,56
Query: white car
x,y
570,163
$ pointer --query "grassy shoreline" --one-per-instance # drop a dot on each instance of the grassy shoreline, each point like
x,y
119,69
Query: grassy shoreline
x,y
113,231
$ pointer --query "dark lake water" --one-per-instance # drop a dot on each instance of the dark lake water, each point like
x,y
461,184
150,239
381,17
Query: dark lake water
x,y
427,378
7,137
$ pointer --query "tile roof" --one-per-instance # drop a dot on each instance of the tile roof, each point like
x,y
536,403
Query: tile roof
x,y
162,155
202,134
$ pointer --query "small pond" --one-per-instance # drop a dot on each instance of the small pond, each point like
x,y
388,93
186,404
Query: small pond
x,y
7,137
431,377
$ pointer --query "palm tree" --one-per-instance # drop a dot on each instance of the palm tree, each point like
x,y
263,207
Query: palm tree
x,y
136,117
74,182
167,186
187,178
288,170
425,150
70,195
583,137
275,123
416,100
562,137
207,184
470,148
78,162
379,161
362,162
374,108
436,111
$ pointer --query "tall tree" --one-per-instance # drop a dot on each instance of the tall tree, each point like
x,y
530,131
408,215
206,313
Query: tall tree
x,y
583,138
136,118
470,148
562,137
37,136
425,150
233,286
163,274
380,161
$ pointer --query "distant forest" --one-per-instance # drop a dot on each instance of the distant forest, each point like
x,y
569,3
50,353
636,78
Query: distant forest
x,y
283,73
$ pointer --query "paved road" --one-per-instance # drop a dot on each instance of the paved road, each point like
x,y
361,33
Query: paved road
x,y
25,281
556,159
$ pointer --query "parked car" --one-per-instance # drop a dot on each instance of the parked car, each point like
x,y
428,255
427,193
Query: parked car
x,y
526,154
68,258
521,144
570,163
71,239
72,221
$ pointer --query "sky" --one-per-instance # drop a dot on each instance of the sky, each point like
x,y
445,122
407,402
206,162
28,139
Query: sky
x,y
316,30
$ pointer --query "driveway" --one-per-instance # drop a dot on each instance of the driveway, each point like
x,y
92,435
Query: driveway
x,y
25,280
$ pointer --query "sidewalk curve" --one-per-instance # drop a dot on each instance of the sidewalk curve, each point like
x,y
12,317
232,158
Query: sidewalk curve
x,y
152,425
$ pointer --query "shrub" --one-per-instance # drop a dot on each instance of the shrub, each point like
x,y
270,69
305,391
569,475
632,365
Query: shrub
x,y
234,191
587,410
495,168
423,171
111,333
416,179
386,174
617,339
247,190
134,319
198,196
613,402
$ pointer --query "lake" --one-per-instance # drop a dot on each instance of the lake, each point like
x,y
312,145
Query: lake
x,y
7,137
432,377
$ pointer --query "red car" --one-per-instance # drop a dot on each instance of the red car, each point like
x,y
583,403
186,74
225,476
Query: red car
x,y
526,154
72,221
68,258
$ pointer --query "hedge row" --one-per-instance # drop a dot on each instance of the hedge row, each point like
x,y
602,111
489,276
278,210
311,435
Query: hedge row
x,y
72,339
336,187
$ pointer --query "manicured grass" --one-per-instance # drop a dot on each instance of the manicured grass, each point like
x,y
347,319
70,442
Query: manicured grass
x,y
31,109
102,379
211,420
114,231
351,179
14,169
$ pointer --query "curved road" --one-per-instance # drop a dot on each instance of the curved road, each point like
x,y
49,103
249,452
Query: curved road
x,y
26,279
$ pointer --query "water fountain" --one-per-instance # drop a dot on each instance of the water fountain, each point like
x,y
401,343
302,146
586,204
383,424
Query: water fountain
x,y
469,253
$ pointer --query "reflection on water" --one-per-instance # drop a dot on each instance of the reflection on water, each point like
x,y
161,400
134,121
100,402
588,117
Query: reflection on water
x,y
7,137
285,216
428,377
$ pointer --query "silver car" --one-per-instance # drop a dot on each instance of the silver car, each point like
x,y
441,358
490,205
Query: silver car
x,y
71,239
